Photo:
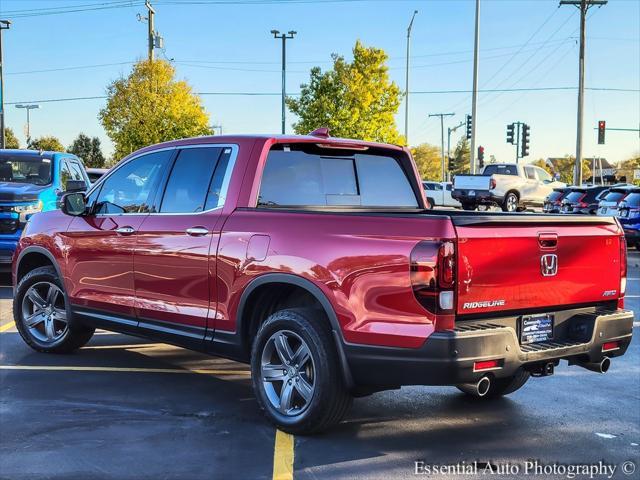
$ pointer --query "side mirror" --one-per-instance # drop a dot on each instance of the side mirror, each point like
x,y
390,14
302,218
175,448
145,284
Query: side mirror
x,y
74,204
76,186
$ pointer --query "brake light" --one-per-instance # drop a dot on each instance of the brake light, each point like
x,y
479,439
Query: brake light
x,y
492,183
433,275
623,271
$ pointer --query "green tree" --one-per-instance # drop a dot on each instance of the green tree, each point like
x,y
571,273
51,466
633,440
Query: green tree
x,y
46,143
428,160
10,139
543,165
88,149
354,99
150,106
461,158
564,166
627,167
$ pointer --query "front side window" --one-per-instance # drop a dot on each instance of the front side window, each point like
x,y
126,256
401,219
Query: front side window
x,y
69,171
188,184
543,175
530,172
131,187
34,169
312,177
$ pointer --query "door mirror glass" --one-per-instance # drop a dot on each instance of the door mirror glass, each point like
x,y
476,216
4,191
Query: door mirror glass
x,y
74,204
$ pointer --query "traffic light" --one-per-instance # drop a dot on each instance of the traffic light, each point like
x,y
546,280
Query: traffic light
x,y
481,156
469,123
511,128
602,127
525,140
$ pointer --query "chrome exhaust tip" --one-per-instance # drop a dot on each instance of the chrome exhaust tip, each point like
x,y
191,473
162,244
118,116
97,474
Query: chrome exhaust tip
x,y
598,367
478,389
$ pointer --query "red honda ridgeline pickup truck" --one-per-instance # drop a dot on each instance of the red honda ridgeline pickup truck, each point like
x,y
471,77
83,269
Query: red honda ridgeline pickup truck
x,y
315,260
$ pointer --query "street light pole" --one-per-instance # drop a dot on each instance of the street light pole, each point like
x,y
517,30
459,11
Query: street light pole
x,y
28,108
284,36
442,115
4,25
406,90
474,99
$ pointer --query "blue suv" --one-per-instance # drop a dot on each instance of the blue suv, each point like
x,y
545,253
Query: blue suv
x,y
629,216
30,182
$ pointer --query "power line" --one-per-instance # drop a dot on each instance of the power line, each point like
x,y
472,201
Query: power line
x,y
418,92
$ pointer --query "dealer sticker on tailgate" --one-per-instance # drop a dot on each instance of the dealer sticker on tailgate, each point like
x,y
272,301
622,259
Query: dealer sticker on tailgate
x,y
536,328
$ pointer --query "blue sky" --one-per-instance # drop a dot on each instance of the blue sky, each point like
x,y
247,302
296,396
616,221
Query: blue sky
x,y
225,46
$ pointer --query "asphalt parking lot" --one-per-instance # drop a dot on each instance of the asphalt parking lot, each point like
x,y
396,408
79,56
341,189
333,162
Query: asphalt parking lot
x,y
125,408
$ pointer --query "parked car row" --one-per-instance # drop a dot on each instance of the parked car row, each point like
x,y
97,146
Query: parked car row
x,y
621,200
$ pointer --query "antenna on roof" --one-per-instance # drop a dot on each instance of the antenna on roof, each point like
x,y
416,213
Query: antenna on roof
x,y
322,132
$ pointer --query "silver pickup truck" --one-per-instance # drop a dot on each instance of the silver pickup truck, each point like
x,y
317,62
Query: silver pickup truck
x,y
507,185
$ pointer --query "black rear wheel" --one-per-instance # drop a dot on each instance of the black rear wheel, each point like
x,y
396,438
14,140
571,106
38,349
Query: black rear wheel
x,y
295,373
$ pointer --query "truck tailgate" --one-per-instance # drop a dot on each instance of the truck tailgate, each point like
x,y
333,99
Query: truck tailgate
x,y
472,182
522,263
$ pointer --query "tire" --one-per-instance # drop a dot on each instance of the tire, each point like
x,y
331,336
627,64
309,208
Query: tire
x,y
510,203
499,386
42,314
468,206
318,376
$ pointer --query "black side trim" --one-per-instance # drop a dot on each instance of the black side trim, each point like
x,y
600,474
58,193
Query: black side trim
x,y
43,251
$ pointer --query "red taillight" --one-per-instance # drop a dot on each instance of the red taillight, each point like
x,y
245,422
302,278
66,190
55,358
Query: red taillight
x,y
485,365
433,275
609,346
492,184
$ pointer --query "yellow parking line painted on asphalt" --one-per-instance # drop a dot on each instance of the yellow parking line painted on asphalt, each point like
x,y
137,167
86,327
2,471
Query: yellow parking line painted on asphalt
x,y
7,326
283,456
71,368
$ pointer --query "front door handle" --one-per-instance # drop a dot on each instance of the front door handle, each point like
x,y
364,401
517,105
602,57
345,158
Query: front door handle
x,y
125,230
197,231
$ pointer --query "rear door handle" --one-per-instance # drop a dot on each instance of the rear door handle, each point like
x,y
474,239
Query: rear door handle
x,y
197,231
125,230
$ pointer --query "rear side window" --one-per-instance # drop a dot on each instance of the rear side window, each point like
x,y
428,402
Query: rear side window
x,y
189,181
530,172
301,178
500,170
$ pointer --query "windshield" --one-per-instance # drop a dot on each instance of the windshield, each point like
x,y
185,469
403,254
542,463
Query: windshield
x,y
500,170
614,196
574,196
25,169
555,195
633,200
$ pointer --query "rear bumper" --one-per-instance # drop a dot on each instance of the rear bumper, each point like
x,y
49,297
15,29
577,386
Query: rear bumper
x,y
447,358
481,197
631,234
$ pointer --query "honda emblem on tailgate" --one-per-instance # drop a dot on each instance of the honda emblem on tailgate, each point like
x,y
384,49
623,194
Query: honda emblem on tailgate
x,y
549,265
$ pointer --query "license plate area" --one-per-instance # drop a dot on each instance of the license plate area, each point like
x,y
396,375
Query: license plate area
x,y
536,328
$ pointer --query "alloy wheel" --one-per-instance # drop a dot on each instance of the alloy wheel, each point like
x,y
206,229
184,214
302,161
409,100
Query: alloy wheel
x,y
288,373
44,312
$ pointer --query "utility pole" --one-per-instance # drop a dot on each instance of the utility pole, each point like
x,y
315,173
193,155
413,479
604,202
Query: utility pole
x,y
474,99
406,90
583,6
150,29
449,132
28,108
284,36
442,115
4,25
